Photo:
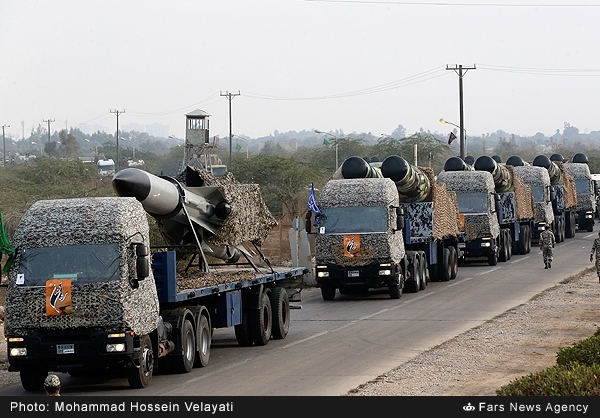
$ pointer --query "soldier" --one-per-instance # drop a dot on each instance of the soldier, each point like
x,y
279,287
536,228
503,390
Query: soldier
x,y
596,249
52,385
547,243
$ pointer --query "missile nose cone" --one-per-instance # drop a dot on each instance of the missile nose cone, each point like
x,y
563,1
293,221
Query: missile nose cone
x,y
557,157
469,159
394,167
355,168
454,164
515,161
485,163
132,182
580,158
542,161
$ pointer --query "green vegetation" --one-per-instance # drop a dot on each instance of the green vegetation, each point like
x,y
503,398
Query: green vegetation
x,y
576,373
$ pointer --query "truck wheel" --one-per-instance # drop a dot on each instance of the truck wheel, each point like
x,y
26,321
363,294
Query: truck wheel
x,y
446,272
184,362
509,245
242,331
395,288
261,321
529,238
32,379
569,225
424,272
280,307
454,263
414,269
493,257
203,341
522,243
328,292
590,225
433,272
503,255
140,376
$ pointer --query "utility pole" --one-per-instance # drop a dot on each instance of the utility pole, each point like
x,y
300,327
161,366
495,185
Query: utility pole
x,y
117,112
230,97
48,121
459,70
4,146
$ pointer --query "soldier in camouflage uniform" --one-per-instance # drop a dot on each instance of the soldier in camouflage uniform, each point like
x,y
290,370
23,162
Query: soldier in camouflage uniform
x,y
596,250
547,243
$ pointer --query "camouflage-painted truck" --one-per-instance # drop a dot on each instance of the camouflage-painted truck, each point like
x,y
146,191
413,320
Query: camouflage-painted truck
x,y
586,191
88,293
496,208
384,224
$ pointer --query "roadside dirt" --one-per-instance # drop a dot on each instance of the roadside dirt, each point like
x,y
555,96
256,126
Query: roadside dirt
x,y
523,340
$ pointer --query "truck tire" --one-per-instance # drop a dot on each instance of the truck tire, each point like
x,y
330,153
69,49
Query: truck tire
x,y
184,362
242,331
569,225
493,257
522,243
590,225
503,255
454,262
140,376
528,239
280,307
203,341
446,272
414,270
509,245
328,292
261,321
424,272
395,289
32,379
433,272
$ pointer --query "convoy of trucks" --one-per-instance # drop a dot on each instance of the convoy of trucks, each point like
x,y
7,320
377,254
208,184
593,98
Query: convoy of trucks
x,y
384,224
89,292
586,191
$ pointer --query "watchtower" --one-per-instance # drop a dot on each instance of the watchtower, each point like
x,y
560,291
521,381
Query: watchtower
x,y
198,145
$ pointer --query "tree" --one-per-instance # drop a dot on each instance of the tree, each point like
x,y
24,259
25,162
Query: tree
x,y
69,147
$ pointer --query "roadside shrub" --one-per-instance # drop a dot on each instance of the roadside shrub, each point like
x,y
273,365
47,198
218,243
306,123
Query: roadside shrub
x,y
573,379
585,352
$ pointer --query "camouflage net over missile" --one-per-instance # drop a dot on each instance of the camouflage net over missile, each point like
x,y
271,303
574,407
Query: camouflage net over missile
x,y
198,280
108,305
569,186
446,222
537,176
360,192
585,201
250,218
523,196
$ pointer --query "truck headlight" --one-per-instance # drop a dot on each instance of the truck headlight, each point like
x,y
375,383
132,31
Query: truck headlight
x,y
18,351
115,347
322,274
485,244
386,272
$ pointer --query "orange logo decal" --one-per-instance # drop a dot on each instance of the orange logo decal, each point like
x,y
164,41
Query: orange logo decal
x,y
351,245
58,297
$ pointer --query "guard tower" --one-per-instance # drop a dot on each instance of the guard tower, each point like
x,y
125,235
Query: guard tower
x,y
198,146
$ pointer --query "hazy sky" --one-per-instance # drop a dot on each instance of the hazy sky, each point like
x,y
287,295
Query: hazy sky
x,y
355,66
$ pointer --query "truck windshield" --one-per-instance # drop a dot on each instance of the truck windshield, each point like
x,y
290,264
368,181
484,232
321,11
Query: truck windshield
x,y
472,202
355,219
80,263
582,186
538,194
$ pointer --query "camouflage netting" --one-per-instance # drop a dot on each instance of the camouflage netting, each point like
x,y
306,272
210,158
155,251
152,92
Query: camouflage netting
x,y
523,196
476,226
581,171
199,280
446,222
112,305
250,218
569,186
360,192
537,176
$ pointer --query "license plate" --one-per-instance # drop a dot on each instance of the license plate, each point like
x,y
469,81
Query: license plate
x,y
461,245
353,273
65,349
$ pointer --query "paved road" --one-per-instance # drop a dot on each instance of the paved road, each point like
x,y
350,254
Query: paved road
x,y
335,346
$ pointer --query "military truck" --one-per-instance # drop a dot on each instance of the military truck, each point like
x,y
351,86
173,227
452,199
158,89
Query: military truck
x,y
496,208
87,292
586,192
380,220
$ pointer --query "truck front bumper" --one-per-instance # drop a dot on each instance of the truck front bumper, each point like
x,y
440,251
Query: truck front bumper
x,y
374,275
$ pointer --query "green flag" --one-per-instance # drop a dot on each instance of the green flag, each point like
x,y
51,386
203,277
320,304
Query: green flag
x,y
238,147
325,142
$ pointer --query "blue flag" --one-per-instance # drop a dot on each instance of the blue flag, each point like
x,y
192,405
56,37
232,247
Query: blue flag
x,y
312,203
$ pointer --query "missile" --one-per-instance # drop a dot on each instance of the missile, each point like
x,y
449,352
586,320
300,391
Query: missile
x,y
554,171
580,158
413,185
457,164
358,168
502,179
172,203
516,161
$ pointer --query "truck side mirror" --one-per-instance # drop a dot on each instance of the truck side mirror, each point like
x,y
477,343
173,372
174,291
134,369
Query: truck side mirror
x,y
399,219
552,193
497,205
142,264
308,222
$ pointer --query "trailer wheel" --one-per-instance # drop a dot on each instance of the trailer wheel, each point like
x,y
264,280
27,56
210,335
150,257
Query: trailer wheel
x,y
454,263
242,331
569,225
32,379
446,272
414,270
522,243
424,273
261,321
184,362
509,245
503,255
529,238
328,292
140,375
280,307
203,341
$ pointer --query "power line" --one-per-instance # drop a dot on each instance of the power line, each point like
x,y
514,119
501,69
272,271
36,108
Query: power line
x,y
48,121
230,97
117,112
459,70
